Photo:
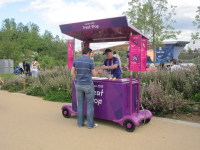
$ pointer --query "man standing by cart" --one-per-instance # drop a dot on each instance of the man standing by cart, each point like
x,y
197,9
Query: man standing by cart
x,y
111,65
84,67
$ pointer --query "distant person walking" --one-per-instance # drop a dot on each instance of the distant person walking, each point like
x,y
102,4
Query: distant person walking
x,y
151,68
35,67
127,58
116,55
162,66
1,81
27,66
175,66
21,68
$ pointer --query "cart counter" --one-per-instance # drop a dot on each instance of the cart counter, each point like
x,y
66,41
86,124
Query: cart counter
x,y
112,98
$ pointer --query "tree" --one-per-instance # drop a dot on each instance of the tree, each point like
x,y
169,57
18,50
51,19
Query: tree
x,y
8,37
23,42
121,49
196,23
153,19
184,50
33,37
189,50
198,50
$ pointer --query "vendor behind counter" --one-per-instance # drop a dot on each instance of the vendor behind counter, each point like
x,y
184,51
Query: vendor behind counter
x,y
111,65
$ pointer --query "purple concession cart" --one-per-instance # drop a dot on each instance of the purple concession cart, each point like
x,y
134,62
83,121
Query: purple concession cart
x,y
115,100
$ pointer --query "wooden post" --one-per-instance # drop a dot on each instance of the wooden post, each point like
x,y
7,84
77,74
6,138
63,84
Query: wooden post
x,y
3,80
24,84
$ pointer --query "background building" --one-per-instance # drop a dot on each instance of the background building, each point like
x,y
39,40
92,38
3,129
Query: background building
x,y
167,52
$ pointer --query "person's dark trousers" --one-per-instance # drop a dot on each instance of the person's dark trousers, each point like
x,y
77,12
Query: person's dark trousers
x,y
21,71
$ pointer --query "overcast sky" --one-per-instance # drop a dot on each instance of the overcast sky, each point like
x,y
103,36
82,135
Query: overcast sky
x,y
49,14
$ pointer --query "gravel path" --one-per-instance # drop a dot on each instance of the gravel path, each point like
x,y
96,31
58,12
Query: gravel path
x,y
30,123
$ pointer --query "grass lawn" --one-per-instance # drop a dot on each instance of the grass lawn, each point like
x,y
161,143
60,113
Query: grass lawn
x,y
7,76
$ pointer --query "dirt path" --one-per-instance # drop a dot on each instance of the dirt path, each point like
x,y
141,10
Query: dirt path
x,y
29,123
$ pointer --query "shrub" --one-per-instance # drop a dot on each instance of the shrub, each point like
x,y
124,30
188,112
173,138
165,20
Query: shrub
x,y
15,88
164,93
52,84
60,96
159,101
13,84
195,98
187,109
35,91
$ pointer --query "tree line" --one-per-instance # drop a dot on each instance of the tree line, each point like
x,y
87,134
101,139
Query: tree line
x,y
24,42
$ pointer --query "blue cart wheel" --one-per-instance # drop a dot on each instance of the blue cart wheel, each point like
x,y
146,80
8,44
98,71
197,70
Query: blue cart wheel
x,y
129,126
66,113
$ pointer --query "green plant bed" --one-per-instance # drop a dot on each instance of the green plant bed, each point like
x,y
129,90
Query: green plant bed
x,y
60,96
187,109
35,91
195,98
15,88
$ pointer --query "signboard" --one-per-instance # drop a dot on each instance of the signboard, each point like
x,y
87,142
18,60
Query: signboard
x,y
144,54
70,44
135,59
164,53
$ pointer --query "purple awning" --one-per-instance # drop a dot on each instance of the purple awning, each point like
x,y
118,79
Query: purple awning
x,y
104,30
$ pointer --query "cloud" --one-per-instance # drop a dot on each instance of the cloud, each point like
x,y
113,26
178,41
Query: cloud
x,y
61,12
185,35
56,12
3,2
185,8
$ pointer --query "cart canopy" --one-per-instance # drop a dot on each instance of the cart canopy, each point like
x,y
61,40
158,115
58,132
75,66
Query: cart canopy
x,y
104,30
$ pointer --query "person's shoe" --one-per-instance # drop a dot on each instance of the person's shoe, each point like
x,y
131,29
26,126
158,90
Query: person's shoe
x,y
82,125
95,125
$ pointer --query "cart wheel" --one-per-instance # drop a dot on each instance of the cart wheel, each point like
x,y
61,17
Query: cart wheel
x,y
129,126
66,113
147,121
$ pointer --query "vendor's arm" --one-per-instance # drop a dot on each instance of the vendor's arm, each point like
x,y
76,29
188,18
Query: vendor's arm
x,y
73,72
109,67
94,73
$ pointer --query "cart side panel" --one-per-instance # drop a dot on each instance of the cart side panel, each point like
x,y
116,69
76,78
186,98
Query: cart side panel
x,y
111,100
108,101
